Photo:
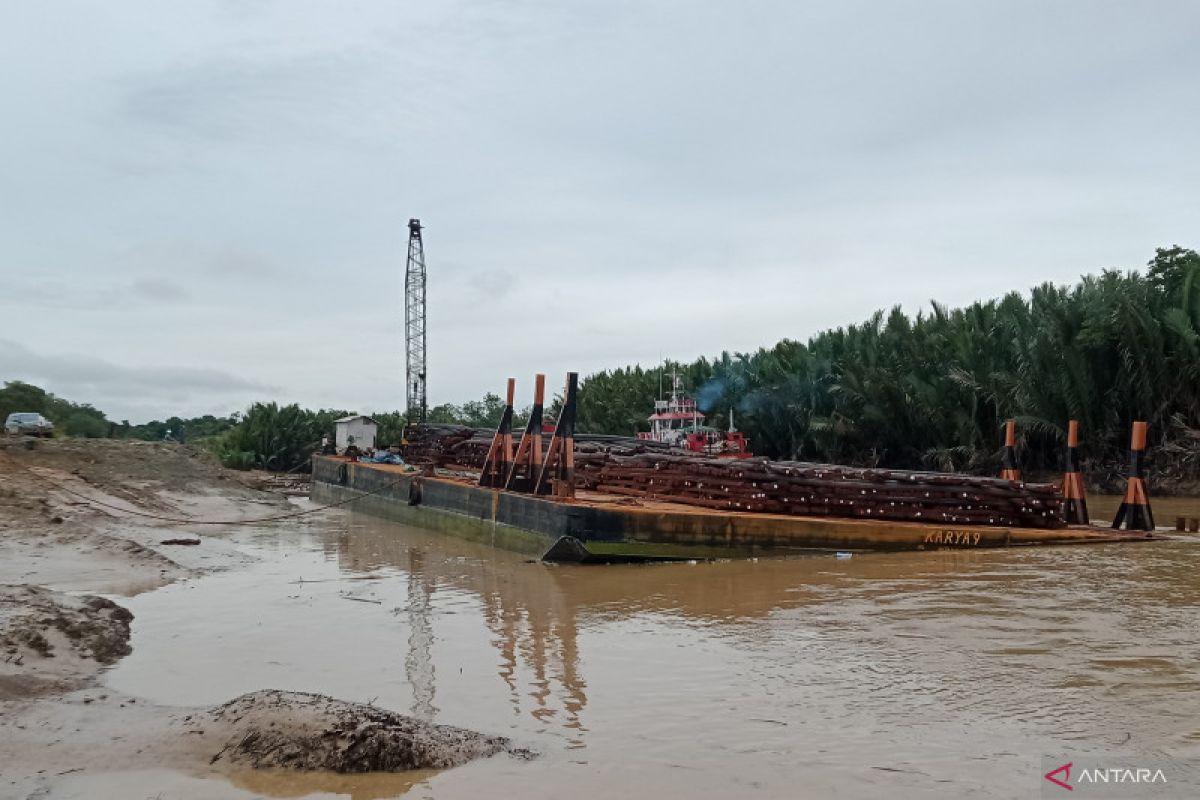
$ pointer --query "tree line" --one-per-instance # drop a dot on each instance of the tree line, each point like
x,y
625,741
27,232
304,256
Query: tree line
x,y
933,391
85,421
924,392
265,436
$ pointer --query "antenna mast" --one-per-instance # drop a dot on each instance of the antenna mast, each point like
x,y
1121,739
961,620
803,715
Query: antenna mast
x,y
414,323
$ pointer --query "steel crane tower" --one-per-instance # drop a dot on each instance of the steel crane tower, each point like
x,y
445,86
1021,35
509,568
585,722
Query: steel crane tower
x,y
414,323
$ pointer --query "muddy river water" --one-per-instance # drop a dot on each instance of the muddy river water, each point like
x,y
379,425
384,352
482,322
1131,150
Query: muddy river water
x,y
941,674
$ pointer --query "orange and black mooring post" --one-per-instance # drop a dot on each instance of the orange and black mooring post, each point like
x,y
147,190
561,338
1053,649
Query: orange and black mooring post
x,y
500,454
1074,497
1135,510
558,473
527,462
1008,466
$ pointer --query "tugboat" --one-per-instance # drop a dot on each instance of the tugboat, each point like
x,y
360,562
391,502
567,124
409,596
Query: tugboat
x,y
678,423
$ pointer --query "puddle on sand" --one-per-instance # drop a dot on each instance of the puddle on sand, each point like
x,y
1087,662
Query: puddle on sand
x,y
887,672
155,784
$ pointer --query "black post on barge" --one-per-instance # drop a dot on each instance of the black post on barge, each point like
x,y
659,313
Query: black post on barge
x,y
1075,509
528,460
1135,511
558,473
500,455
1008,468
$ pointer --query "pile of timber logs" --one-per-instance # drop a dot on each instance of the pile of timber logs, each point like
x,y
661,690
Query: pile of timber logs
x,y
790,487
643,468
443,445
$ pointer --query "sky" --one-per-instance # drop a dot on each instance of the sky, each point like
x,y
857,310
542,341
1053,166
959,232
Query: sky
x,y
205,204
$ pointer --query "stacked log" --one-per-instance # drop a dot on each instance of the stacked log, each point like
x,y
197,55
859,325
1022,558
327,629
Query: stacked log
x,y
789,487
445,445
438,444
648,469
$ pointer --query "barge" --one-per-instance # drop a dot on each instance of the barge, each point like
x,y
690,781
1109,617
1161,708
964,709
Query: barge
x,y
600,527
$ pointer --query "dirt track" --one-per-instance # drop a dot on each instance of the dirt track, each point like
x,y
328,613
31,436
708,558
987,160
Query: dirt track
x,y
57,546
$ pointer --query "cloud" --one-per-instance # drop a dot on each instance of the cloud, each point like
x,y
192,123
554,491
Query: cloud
x,y
491,286
159,289
141,273
602,182
236,262
195,261
235,100
118,389
34,291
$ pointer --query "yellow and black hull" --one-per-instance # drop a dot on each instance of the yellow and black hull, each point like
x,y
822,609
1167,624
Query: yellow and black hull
x,y
596,527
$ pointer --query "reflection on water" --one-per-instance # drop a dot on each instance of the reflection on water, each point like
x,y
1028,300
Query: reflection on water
x,y
419,660
160,784
927,674
286,783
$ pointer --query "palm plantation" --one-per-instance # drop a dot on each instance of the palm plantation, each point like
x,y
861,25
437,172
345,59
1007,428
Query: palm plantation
x,y
932,392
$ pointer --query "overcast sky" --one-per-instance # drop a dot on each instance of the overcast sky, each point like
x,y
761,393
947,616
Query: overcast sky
x,y
205,203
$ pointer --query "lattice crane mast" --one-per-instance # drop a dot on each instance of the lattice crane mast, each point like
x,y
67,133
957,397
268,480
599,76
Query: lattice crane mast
x,y
414,323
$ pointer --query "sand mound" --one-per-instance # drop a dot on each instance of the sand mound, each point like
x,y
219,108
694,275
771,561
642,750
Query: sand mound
x,y
55,641
302,731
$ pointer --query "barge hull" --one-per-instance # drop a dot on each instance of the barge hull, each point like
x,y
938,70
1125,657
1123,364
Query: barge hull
x,y
604,526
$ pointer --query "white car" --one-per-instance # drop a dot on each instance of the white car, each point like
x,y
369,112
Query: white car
x,y
29,423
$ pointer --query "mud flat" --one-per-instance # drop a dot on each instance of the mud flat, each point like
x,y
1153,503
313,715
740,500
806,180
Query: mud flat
x,y
80,517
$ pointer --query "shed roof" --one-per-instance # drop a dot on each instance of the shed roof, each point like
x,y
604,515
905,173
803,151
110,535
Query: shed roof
x,y
353,417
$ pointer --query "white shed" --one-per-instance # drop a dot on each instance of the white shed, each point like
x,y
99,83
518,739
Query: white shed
x,y
357,430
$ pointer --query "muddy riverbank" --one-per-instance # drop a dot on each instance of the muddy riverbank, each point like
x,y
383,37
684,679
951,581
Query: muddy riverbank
x,y
936,675
83,518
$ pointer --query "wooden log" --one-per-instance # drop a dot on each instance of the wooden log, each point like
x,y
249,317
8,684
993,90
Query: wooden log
x,y
641,468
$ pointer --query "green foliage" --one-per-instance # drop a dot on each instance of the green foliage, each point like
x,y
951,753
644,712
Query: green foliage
x,y
483,413
191,430
74,419
18,396
391,428
270,436
85,425
70,419
934,391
